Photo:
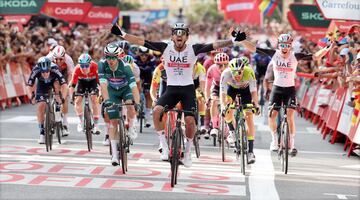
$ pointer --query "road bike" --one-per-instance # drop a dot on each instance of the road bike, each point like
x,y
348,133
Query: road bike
x,y
88,117
284,139
115,112
177,147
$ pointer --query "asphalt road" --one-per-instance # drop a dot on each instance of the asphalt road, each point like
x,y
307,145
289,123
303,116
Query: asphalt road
x,y
27,171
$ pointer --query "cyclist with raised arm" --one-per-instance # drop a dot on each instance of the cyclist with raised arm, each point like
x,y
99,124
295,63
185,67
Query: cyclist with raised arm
x,y
85,78
179,60
66,67
118,84
212,89
240,79
284,62
48,76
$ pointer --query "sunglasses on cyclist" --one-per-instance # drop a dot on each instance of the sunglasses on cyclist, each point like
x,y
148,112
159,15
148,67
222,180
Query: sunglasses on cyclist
x,y
236,72
284,45
222,65
179,32
111,57
59,59
84,65
45,71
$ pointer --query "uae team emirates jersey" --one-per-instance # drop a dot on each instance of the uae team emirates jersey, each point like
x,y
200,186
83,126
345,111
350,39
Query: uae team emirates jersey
x,y
179,66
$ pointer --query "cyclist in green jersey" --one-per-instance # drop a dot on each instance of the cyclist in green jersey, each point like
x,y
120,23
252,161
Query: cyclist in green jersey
x,y
118,84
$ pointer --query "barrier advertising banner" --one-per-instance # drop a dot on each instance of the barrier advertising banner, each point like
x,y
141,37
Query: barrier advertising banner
x,y
71,12
101,15
340,9
308,15
21,7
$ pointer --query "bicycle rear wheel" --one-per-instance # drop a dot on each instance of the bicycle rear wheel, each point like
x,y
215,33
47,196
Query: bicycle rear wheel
x,y
141,116
122,146
286,143
88,127
58,130
176,144
242,147
196,144
222,139
47,128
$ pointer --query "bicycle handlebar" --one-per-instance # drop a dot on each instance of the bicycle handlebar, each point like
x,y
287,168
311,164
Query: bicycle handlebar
x,y
178,111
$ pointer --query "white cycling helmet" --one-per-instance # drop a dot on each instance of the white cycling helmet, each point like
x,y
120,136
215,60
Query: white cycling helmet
x,y
58,52
112,50
285,38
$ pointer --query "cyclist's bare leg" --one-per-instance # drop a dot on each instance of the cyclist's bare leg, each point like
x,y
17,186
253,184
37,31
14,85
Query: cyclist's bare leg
x,y
249,119
272,121
214,111
273,130
131,113
95,110
78,107
291,120
41,112
159,126
190,127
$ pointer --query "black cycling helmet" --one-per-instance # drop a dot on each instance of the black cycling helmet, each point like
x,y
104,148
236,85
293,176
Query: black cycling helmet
x,y
180,26
143,50
124,44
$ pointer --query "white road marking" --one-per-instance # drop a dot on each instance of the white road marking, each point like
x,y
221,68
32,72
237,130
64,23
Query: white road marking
x,y
351,166
340,196
262,177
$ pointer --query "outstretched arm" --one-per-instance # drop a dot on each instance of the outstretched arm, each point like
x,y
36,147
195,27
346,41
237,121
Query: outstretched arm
x,y
222,43
116,29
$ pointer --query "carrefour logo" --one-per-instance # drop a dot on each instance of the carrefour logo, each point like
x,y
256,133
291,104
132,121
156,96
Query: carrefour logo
x,y
311,16
17,3
104,15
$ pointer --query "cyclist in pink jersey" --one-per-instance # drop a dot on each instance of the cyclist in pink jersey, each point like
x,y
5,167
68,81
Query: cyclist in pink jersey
x,y
212,88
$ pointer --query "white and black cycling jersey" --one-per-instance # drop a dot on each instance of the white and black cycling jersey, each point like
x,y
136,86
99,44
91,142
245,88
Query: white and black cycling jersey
x,y
179,66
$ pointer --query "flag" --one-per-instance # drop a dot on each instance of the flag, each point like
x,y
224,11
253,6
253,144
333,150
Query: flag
x,y
267,7
356,109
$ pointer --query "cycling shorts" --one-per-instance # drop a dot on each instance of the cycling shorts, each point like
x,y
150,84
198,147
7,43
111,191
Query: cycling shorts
x,y
175,94
282,95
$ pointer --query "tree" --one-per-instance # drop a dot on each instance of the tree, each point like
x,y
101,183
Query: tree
x,y
204,11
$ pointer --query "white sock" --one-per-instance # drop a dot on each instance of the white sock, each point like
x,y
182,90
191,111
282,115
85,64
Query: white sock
x,y
292,141
65,120
188,145
114,147
163,142
132,122
273,136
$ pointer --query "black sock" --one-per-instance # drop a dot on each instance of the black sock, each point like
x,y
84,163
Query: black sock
x,y
202,120
251,146
231,126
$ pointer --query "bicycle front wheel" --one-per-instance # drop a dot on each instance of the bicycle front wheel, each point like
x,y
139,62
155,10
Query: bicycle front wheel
x,y
286,143
196,143
176,145
122,146
88,127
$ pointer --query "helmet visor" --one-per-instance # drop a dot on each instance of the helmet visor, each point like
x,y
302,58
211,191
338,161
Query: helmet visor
x,y
179,32
284,45
84,65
